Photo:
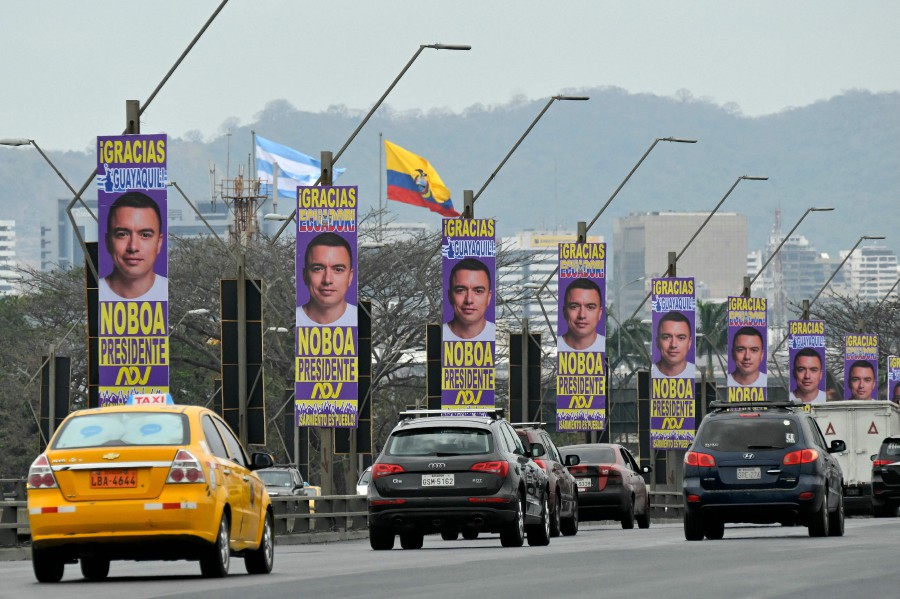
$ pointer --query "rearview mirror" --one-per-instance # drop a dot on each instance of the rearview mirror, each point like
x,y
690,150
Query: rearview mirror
x,y
572,460
837,446
537,450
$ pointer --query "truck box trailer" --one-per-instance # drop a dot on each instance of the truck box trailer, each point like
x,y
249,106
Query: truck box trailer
x,y
862,425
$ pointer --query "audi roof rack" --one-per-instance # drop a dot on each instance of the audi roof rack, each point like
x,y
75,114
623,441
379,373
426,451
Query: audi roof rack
x,y
494,413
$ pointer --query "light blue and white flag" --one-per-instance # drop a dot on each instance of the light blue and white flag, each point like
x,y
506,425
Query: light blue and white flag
x,y
294,168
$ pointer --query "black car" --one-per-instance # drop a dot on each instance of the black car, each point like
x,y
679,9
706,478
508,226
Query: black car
x,y
886,478
452,474
762,463
282,480
563,488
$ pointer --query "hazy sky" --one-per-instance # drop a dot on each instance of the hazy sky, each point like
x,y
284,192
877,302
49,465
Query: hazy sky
x,y
68,66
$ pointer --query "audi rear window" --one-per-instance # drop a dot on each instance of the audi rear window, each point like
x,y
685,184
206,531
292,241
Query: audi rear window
x,y
742,434
890,448
124,429
440,441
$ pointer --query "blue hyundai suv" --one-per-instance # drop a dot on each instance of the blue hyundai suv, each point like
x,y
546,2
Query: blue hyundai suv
x,y
761,463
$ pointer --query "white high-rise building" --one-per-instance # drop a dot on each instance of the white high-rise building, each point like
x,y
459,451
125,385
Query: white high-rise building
x,y
8,276
873,271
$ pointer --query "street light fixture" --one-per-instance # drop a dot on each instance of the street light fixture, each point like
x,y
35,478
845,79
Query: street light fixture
x,y
524,135
372,111
195,312
702,226
786,237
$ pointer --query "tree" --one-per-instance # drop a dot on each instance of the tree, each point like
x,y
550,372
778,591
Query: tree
x,y
712,333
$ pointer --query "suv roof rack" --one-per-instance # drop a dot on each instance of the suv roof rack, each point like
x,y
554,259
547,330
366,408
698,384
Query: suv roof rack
x,y
493,413
720,406
527,424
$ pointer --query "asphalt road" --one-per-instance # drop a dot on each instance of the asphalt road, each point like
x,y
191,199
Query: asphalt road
x,y
603,560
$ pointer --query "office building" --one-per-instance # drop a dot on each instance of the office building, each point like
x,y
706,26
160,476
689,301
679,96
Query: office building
x,y
8,275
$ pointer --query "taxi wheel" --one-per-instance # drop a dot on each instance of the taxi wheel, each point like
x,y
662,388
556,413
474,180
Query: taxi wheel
x,y
513,533
48,566
94,568
261,559
217,557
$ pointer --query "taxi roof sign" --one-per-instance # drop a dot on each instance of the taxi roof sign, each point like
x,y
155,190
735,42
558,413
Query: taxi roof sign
x,y
149,399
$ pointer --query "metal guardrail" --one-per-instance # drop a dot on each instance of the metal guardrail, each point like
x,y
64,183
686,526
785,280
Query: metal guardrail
x,y
299,515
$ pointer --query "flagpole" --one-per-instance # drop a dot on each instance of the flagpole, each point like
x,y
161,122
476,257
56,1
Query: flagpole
x,y
381,167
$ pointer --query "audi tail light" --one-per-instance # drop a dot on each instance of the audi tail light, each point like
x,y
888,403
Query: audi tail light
x,y
379,470
40,475
882,462
498,467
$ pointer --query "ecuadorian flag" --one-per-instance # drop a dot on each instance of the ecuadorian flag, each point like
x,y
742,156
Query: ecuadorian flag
x,y
412,180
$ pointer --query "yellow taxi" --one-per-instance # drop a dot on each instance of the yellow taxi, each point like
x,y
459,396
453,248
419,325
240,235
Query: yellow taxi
x,y
148,481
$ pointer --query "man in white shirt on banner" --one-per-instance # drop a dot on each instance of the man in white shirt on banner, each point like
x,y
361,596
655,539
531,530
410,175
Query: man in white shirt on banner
x,y
674,340
327,274
748,351
470,295
582,309
807,372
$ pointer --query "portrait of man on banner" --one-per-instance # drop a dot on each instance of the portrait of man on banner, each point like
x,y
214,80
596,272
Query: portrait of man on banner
x,y
326,281
806,357
582,326
861,366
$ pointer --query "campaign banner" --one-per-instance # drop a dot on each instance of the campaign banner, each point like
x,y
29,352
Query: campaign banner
x,y
581,338
747,349
673,311
468,334
893,378
861,366
326,392
806,356
133,266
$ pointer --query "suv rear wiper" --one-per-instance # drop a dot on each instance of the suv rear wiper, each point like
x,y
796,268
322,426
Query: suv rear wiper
x,y
444,454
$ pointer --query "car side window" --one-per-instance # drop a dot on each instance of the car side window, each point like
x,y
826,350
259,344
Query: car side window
x,y
625,458
633,462
504,441
213,439
512,440
551,448
818,437
235,451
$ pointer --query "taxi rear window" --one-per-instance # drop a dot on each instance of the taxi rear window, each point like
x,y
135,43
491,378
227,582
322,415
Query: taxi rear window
x,y
124,429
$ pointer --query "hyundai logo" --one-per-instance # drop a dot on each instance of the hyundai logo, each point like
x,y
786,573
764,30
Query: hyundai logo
x,y
437,465
748,456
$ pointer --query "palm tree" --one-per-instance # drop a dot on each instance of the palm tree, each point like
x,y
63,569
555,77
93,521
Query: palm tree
x,y
711,333
627,346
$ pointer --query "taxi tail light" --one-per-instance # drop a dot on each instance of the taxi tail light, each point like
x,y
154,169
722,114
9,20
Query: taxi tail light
x,y
379,470
695,458
882,462
498,467
185,469
801,456
40,475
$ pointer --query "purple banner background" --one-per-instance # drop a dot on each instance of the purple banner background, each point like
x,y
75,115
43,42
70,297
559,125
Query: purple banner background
x,y
736,321
802,340
893,378
455,233
857,351
131,163
327,401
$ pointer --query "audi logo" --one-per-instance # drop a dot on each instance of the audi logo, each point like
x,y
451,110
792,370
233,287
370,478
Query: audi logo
x,y
437,465
748,456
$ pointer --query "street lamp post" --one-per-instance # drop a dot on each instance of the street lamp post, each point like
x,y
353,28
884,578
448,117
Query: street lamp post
x,y
608,202
372,111
813,300
786,237
524,135
702,226
195,312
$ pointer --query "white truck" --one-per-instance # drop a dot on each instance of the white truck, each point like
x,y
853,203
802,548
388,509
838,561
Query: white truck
x,y
862,425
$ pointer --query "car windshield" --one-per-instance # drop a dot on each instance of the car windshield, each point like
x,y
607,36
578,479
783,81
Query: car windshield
x,y
593,455
439,441
124,429
741,434
275,478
